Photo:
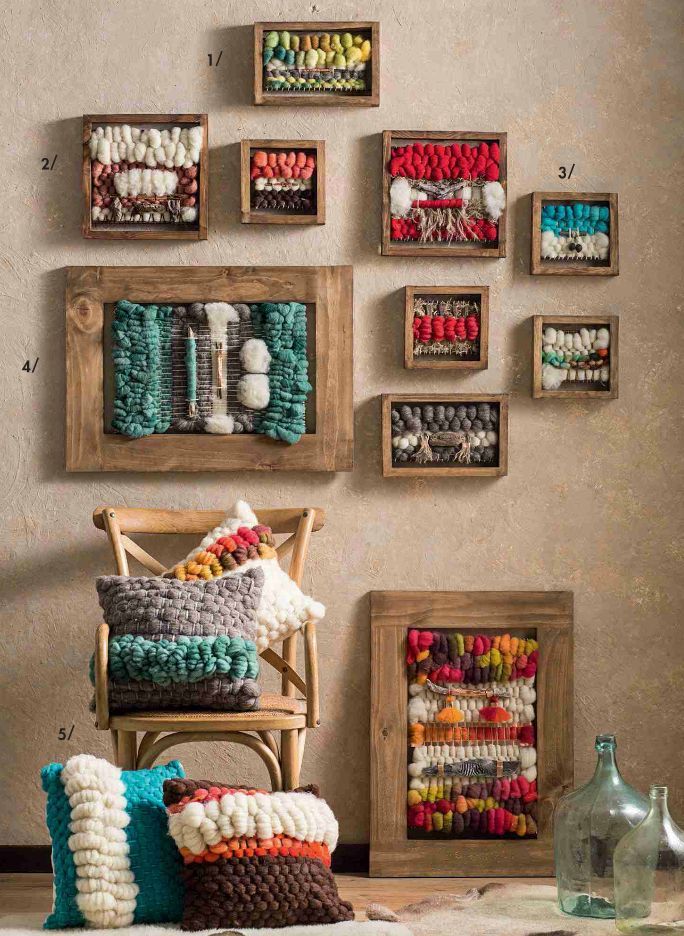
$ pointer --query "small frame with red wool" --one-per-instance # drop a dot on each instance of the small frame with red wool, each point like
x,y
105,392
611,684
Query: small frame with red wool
x,y
447,327
444,194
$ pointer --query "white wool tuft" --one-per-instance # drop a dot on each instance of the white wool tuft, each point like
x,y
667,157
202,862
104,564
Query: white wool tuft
x,y
219,424
494,197
219,314
253,391
255,356
401,196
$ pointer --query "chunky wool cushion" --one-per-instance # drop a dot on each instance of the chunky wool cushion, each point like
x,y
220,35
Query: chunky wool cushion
x,y
283,607
252,858
182,644
114,863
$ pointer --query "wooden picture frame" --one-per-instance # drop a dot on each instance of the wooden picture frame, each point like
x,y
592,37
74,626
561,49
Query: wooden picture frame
x,y
575,391
549,616
390,470
106,231
250,215
412,360
391,248
90,448
540,267
370,98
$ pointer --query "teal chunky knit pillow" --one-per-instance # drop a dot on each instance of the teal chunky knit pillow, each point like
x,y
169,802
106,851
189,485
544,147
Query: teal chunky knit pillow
x,y
114,863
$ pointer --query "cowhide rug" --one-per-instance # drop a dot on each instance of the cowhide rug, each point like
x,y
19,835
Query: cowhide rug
x,y
493,910
29,924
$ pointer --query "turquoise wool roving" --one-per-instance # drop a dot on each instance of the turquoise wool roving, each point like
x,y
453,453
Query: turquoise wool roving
x,y
141,337
184,660
282,326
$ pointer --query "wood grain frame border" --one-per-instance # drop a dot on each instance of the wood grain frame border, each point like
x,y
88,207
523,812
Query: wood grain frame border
x,y
550,615
410,361
392,248
612,322
90,448
317,98
568,268
249,216
164,232
467,471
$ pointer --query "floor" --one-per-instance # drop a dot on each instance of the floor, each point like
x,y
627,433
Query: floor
x,y
33,892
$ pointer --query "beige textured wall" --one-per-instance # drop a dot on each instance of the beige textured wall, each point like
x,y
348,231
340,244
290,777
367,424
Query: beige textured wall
x,y
593,501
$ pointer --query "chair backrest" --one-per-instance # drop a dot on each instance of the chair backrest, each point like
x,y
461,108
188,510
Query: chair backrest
x,y
118,522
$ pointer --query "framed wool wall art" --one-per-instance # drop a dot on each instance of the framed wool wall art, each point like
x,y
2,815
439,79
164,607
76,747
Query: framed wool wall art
x,y
574,234
446,327
282,182
444,194
575,357
471,730
316,63
145,176
447,435
209,368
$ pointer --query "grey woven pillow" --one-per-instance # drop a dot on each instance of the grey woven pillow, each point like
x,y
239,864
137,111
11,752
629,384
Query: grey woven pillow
x,y
161,607
182,645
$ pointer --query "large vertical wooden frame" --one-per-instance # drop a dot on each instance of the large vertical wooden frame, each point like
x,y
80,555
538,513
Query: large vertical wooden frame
x,y
548,616
90,448
108,231
390,248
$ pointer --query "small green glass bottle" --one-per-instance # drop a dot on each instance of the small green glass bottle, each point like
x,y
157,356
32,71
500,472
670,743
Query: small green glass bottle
x,y
588,824
649,874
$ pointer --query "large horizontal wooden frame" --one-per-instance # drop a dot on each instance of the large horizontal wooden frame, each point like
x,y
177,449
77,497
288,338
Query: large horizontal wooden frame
x,y
548,616
90,448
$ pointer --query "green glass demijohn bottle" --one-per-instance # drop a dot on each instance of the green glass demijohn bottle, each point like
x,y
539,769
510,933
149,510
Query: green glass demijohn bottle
x,y
649,874
588,824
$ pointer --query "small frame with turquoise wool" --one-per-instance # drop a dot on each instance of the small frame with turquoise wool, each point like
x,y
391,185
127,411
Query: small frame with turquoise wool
x,y
574,234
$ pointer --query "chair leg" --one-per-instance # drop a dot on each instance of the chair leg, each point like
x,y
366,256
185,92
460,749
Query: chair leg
x,y
127,748
114,734
289,758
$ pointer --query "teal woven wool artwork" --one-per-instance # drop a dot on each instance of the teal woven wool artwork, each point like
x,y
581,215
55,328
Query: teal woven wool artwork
x,y
108,826
212,367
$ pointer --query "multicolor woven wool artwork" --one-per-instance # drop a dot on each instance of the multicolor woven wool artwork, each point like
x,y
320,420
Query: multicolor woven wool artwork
x,y
445,192
253,858
145,175
471,731
580,357
283,181
575,231
210,367
113,861
316,62
446,326
437,434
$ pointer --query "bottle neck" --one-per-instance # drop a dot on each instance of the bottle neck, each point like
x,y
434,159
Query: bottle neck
x,y
658,811
606,765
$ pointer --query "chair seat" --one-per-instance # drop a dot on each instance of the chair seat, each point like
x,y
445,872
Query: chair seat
x,y
277,712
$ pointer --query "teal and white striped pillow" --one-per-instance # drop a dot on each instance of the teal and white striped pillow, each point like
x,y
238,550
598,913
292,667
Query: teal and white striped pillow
x,y
114,862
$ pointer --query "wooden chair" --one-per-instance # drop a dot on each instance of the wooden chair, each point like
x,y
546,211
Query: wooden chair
x,y
285,713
